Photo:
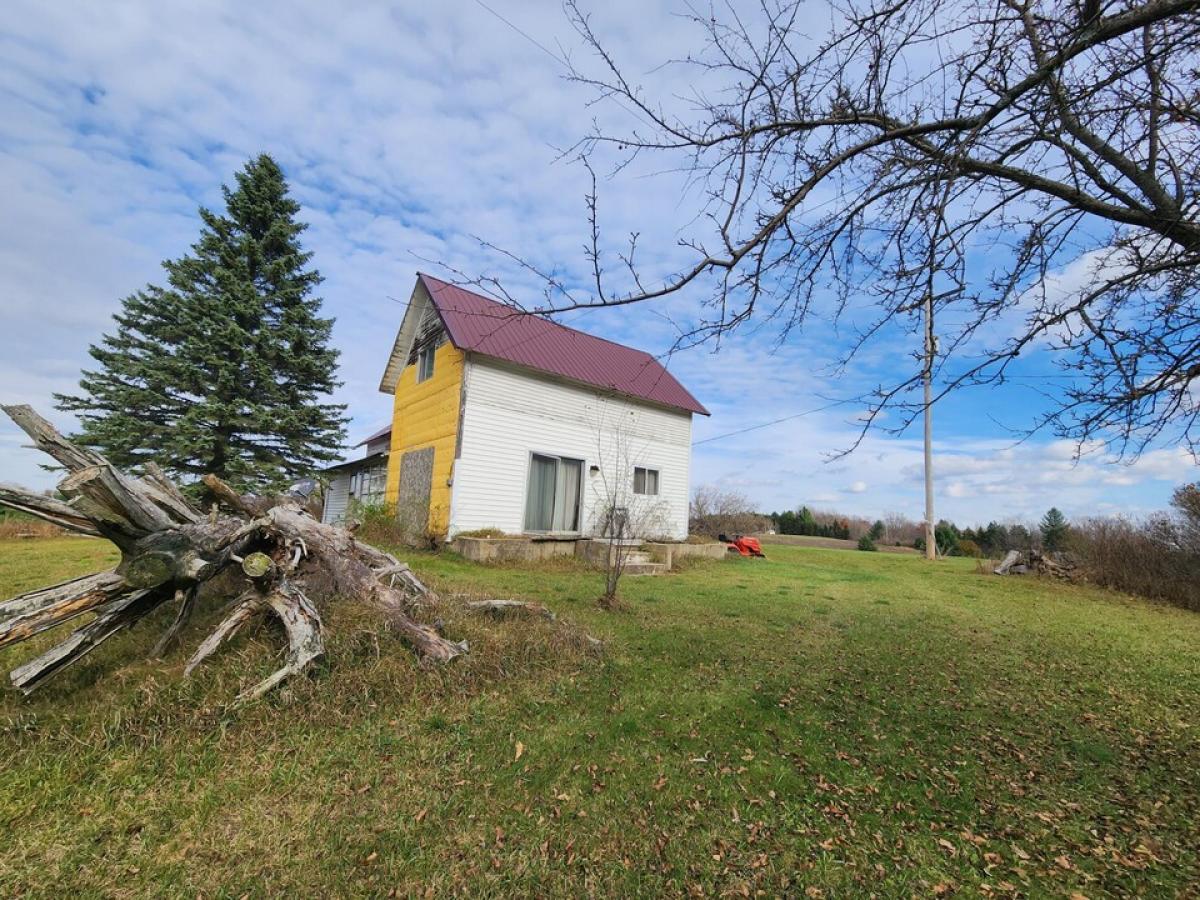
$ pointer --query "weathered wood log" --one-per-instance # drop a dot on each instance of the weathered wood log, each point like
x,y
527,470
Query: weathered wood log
x,y
305,644
47,508
1039,563
114,617
502,608
167,495
1052,566
186,598
47,439
29,614
125,502
244,609
1011,558
257,565
288,565
231,498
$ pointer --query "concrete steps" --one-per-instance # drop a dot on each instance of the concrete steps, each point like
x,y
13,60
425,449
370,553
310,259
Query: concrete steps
x,y
637,562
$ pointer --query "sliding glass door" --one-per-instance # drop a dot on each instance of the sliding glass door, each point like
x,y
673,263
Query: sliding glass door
x,y
552,497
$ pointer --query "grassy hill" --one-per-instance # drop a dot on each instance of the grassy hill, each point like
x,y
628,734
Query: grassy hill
x,y
818,722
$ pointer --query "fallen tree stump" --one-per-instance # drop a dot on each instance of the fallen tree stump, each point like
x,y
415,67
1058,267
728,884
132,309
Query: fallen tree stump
x,y
1011,558
1016,562
290,565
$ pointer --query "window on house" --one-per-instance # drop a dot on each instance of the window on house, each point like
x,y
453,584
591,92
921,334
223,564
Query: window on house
x,y
552,495
425,363
367,485
645,481
376,484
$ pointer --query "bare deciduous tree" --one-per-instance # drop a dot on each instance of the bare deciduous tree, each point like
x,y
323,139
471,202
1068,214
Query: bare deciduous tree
x,y
1027,162
624,516
899,529
714,511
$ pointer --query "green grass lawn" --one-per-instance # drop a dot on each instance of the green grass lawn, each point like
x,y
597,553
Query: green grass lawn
x,y
821,723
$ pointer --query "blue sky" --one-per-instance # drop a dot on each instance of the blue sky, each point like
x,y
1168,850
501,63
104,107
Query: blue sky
x,y
406,132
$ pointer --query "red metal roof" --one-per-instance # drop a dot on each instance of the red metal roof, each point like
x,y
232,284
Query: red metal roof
x,y
481,325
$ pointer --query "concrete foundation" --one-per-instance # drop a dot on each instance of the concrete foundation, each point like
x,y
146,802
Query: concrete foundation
x,y
668,553
651,556
483,550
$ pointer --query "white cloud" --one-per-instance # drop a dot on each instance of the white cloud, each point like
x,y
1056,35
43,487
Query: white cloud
x,y
403,130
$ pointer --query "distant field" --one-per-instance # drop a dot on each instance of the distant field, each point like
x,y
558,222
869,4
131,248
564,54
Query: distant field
x,y
813,724
804,540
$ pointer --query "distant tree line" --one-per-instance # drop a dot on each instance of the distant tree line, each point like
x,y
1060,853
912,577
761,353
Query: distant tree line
x,y
715,511
994,539
805,521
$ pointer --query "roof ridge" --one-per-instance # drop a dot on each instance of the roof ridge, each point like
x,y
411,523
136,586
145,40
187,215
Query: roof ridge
x,y
545,318
481,324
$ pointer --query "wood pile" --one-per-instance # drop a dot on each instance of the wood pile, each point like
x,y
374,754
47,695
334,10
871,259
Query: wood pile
x,y
1035,562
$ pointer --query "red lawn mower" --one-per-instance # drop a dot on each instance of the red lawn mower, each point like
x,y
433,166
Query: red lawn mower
x,y
747,546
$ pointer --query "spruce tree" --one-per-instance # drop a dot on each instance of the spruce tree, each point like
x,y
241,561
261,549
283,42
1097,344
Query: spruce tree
x,y
228,367
1054,529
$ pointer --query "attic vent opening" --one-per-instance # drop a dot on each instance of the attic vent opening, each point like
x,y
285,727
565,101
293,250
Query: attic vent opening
x,y
430,335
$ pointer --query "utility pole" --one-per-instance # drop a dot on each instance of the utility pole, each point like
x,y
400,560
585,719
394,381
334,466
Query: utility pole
x,y
930,350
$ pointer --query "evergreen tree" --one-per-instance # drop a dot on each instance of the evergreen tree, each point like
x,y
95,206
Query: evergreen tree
x,y
946,534
1054,529
224,370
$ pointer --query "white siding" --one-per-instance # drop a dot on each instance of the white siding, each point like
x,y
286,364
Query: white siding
x,y
379,445
510,413
337,498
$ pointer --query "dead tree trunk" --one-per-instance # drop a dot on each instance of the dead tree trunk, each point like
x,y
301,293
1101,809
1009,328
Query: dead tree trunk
x,y
291,565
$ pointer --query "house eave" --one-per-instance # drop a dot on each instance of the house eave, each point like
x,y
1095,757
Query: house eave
x,y
357,463
407,333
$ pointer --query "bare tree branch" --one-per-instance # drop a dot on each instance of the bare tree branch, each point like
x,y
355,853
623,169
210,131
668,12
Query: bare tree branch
x,y
971,150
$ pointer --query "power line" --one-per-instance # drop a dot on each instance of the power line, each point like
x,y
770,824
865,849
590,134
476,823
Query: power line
x,y
807,412
560,60
525,35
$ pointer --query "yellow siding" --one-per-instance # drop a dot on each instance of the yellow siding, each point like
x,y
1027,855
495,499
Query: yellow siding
x,y
426,415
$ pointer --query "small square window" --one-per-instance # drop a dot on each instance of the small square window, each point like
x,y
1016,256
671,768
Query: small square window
x,y
645,481
425,363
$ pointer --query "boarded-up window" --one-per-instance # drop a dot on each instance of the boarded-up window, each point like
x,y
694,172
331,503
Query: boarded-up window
x,y
416,484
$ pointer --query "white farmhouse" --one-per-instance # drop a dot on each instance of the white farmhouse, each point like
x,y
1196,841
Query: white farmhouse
x,y
511,421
